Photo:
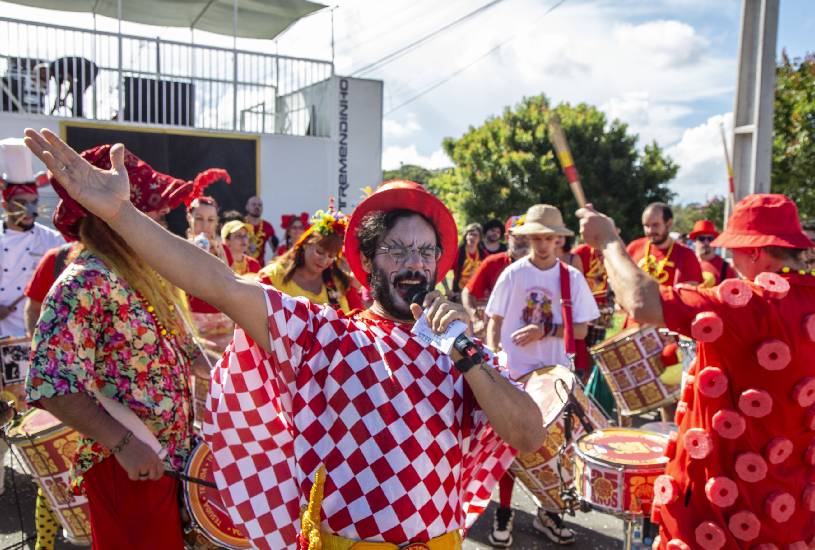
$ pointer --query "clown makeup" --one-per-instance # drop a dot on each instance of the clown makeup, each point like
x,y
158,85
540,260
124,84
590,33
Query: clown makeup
x,y
21,211
405,259
203,219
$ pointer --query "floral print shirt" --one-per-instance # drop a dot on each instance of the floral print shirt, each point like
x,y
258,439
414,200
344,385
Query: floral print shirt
x,y
95,333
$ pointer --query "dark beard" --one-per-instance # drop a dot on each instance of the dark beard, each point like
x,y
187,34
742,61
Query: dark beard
x,y
661,241
383,292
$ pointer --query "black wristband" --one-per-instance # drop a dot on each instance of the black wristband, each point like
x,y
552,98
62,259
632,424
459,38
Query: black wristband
x,y
466,363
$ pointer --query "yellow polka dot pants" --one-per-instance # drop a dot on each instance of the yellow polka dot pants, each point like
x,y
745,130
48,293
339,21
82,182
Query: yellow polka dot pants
x,y
47,523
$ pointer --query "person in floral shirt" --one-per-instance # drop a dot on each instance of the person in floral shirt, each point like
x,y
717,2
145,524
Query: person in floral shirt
x,y
111,326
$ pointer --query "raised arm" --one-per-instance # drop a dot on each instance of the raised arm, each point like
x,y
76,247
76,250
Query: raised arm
x,y
635,291
106,193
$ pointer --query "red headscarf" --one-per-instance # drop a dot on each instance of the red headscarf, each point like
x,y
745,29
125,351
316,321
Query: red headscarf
x,y
12,189
150,191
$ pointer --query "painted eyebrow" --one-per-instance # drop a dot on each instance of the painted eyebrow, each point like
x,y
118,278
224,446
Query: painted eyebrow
x,y
399,242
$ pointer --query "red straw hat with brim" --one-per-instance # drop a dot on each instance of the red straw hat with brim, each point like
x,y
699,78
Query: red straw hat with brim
x,y
703,227
407,195
764,220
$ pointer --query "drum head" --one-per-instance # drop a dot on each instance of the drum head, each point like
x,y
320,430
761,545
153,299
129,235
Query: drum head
x,y
550,388
205,505
624,446
34,424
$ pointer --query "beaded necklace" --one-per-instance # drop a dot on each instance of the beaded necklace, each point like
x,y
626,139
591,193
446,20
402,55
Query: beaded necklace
x,y
657,269
787,269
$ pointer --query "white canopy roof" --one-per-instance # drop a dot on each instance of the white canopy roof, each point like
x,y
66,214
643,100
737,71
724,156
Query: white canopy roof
x,y
262,19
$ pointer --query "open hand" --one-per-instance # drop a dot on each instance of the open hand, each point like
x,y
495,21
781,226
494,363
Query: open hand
x,y
596,229
102,192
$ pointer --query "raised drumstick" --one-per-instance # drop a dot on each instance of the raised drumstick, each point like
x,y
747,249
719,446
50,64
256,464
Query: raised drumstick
x,y
564,155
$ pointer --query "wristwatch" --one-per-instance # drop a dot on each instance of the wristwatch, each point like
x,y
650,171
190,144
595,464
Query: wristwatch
x,y
471,356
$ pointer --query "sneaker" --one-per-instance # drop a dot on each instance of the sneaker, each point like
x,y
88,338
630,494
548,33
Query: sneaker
x,y
551,525
501,534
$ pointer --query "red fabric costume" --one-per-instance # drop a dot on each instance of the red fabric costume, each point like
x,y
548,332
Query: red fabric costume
x,y
741,469
716,267
262,232
483,281
680,266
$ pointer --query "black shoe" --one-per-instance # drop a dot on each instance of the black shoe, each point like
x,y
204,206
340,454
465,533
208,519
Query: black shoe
x,y
551,525
501,534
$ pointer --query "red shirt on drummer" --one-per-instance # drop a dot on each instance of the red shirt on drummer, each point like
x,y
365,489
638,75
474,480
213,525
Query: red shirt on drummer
x,y
714,268
741,471
262,237
666,260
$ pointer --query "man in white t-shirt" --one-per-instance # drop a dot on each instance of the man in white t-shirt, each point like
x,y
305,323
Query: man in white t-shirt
x,y
526,322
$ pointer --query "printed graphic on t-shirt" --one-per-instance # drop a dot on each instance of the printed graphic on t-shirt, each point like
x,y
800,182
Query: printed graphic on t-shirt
x,y
538,310
596,277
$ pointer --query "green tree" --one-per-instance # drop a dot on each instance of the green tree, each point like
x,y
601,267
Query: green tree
x,y
793,170
507,164
410,172
686,215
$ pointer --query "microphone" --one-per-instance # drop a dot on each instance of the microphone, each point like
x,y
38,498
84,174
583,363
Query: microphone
x,y
462,343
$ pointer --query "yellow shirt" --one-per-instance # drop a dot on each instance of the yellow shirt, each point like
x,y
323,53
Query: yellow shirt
x,y
273,274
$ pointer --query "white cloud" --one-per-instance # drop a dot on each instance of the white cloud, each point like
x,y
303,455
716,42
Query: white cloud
x,y
394,156
392,128
668,43
700,155
652,120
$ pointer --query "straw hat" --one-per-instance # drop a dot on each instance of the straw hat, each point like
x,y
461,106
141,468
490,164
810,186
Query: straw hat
x,y
543,219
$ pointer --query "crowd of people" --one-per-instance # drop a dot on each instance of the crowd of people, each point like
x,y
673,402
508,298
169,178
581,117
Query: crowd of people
x,y
330,420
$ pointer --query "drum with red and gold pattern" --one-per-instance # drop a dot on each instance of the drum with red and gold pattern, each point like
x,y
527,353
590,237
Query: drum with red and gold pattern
x,y
633,366
205,506
47,447
14,361
550,388
615,469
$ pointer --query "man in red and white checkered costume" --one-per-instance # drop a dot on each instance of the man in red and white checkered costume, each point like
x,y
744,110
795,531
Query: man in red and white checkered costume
x,y
413,440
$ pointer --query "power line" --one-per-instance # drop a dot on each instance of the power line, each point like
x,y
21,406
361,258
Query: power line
x,y
475,61
382,61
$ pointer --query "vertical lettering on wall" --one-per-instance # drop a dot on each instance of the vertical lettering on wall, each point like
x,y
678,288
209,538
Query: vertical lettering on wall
x,y
342,191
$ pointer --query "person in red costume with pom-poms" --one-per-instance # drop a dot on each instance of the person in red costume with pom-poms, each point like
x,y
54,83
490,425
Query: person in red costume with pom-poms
x,y
740,473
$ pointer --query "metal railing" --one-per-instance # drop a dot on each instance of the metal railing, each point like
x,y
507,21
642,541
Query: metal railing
x,y
65,71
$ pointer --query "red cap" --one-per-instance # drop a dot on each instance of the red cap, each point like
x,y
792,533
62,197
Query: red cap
x,y
703,227
764,220
408,195
150,191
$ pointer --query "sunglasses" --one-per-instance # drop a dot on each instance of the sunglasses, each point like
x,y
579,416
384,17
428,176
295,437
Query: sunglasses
x,y
705,238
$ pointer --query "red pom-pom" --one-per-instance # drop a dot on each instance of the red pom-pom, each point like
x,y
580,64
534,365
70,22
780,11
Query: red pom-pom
x,y
774,285
707,327
744,525
809,327
728,424
734,292
697,443
808,497
712,382
755,403
666,490
721,491
710,536
668,354
687,388
773,355
750,467
809,420
765,546
797,545
779,506
778,450
676,544
809,454
681,411
804,391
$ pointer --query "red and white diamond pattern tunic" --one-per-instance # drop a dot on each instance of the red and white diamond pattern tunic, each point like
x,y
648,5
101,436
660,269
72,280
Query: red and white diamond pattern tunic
x,y
409,453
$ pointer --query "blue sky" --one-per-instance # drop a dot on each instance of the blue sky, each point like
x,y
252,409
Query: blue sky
x,y
665,67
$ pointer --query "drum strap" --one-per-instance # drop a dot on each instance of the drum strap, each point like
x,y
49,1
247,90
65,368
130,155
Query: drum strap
x,y
566,302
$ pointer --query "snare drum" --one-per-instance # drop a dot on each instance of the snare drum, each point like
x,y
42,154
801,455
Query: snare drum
x,y
632,364
205,506
550,387
14,363
615,469
47,447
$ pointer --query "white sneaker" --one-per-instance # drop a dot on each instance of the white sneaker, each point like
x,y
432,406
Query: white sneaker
x,y
551,525
501,534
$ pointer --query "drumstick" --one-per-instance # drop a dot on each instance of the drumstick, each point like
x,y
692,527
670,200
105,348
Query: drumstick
x,y
196,480
564,155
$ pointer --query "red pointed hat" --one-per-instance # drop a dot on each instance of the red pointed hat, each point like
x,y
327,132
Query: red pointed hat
x,y
703,227
764,220
408,195
150,191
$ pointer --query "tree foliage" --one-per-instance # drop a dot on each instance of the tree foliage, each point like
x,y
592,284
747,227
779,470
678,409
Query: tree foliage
x,y
793,170
507,164
410,172
686,215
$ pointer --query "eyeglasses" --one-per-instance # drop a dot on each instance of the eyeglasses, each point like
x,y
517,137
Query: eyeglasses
x,y
400,253
705,238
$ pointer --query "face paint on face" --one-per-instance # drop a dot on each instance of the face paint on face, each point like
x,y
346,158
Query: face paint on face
x,y
21,211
